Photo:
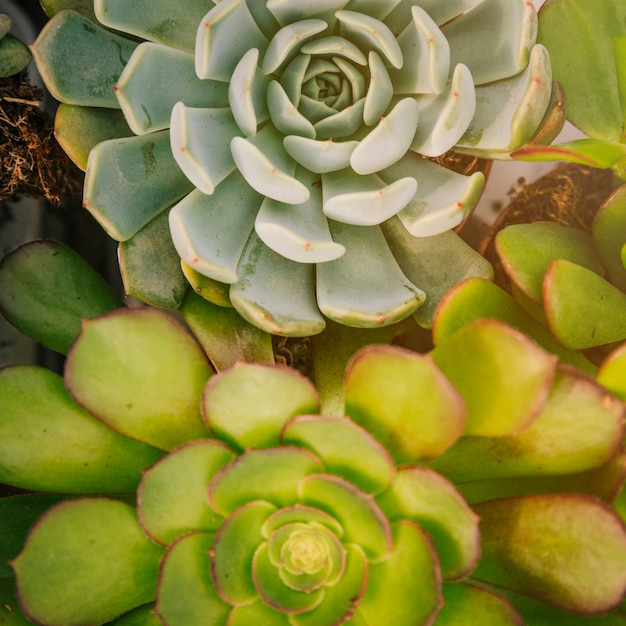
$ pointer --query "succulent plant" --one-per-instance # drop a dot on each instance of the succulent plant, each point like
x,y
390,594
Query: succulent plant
x,y
14,53
228,498
279,147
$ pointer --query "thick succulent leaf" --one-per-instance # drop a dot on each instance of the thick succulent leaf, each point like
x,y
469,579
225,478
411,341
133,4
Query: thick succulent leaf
x,y
612,372
209,289
225,34
526,251
17,515
122,369
345,449
68,543
154,20
405,589
286,117
597,110
440,12
609,235
14,55
233,552
477,298
103,55
426,55
422,496
271,474
130,181
363,521
289,307
142,93
340,598
5,24
257,613
508,112
211,231
141,616
49,443
299,233
404,400
10,612
287,11
224,335
494,39
467,604
48,289
79,128
566,550
247,406
519,372
186,595
550,446
85,7
583,309
200,139
426,262
146,250
347,295
443,199
171,500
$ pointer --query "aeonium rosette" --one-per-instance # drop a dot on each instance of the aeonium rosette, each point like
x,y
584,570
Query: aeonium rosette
x,y
284,141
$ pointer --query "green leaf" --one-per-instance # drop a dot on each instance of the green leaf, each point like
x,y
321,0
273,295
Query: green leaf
x,y
426,498
10,613
404,400
248,405
467,604
566,550
62,576
48,289
344,448
224,335
599,153
257,613
69,36
519,373
405,588
186,594
609,235
85,7
612,372
583,309
14,55
171,499
49,443
550,446
592,106
140,373
146,250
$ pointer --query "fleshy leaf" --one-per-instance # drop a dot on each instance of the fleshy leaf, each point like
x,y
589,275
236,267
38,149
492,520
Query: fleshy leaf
x,y
48,443
609,235
566,550
257,613
583,309
271,474
140,90
103,56
224,335
519,373
612,372
14,55
122,369
48,289
171,500
345,449
550,446
233,552
422,496
348,295
68,542
364,523
405,401
404,589
248,405
185,593
154,20
130,181
138,256
379,92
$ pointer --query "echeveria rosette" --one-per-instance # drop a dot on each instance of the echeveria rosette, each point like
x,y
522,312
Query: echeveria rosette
x,y
252,507
287,139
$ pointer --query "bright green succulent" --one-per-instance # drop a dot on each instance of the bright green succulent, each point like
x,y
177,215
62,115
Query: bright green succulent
x,y
279,148
228,498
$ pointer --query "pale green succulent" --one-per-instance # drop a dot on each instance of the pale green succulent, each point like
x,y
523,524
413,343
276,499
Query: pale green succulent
x,y
287,142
